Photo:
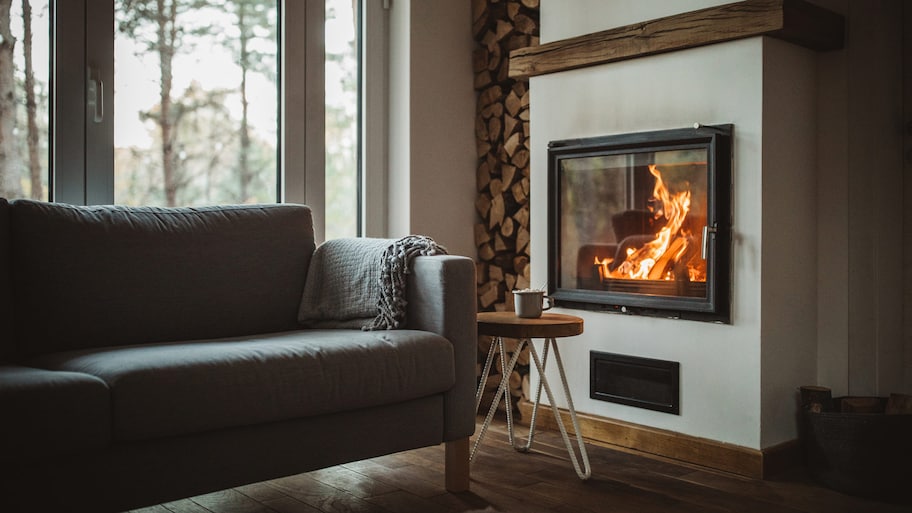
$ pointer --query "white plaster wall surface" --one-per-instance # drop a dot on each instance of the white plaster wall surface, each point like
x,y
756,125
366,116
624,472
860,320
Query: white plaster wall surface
x,y
569,18
443,124
875,163
789,249
432,117
399,192
832,223
720,364
859,163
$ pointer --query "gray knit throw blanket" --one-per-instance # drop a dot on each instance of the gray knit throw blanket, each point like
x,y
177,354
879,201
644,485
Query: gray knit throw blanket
x,y
361,282
395,264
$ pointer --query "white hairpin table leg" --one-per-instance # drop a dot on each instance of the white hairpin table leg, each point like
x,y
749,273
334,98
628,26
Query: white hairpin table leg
x,y
503,390
548,327
584,471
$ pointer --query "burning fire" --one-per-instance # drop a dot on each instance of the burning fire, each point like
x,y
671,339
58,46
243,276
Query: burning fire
x,y
657,258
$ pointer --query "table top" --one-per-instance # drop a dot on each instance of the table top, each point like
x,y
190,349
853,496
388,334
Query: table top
x,y
549,325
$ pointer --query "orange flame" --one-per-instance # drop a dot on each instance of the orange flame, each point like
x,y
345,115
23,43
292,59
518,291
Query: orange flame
x,y
670,244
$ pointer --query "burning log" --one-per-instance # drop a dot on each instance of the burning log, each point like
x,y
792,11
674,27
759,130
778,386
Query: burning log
x,y
669,253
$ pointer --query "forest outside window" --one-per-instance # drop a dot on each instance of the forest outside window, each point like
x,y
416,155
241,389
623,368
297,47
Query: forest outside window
x,y
195,116
24,93
195,102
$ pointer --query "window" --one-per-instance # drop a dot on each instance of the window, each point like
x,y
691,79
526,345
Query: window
x,y
24,79
195,102
342,119
189,102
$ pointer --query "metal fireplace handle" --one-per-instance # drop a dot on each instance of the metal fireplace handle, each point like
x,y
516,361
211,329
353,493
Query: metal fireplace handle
x,y
706,231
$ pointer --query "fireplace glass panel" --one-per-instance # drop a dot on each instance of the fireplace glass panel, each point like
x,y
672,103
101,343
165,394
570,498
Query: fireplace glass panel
x,y
634,222
641,222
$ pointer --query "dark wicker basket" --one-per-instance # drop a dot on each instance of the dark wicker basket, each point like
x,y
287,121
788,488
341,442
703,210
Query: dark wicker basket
x,y
867,454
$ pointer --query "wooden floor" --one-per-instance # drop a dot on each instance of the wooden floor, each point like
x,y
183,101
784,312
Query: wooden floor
x,y
544,480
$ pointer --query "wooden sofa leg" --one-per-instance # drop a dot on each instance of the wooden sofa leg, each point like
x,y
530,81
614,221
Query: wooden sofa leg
x,y
457,465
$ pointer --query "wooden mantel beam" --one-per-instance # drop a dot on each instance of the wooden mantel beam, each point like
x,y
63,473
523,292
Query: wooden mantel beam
x,y
796,21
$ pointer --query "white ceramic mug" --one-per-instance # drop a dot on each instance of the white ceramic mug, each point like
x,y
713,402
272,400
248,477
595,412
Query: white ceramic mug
x,y
530,303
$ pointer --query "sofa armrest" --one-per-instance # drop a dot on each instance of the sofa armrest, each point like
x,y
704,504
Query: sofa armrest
x,y
441,299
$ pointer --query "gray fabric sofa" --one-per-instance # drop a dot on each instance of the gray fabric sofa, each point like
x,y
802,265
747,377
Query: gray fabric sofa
x,y
151,354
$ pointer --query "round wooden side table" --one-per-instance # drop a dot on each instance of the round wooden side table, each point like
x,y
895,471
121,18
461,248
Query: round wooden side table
x,y
550,327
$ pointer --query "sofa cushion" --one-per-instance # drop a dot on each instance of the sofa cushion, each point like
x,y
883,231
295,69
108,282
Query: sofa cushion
x,y
6,291
102,276
46,412
179,388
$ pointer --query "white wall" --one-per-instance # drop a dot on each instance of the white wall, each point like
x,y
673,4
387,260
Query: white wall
x,y
738,381
788,341
432,119
562,19
860,331
833,220
720,364
400,126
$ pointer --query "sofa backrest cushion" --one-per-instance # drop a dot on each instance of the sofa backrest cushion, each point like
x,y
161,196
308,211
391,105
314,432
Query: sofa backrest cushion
x,y
6,293
111,276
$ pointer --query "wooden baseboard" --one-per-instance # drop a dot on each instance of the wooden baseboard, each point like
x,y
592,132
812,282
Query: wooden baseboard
x,y
753,463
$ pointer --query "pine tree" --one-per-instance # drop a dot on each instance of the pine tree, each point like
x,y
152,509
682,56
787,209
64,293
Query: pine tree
x,y
10,186
31,106
157,25
256,23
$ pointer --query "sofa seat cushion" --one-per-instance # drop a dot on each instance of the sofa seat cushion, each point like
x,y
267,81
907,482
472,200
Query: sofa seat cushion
x,y
45,412
179,388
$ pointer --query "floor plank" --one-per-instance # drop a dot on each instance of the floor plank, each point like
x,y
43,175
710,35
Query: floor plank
x,y
290,505
321,496
404,502
353,482
185,506
231,501
151,509
540,481
409,478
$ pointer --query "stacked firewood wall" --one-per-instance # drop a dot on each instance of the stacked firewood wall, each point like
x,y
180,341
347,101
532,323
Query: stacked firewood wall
x,y
502,143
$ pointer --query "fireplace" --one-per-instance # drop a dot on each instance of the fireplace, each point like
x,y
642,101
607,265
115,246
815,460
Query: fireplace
x,y
641,223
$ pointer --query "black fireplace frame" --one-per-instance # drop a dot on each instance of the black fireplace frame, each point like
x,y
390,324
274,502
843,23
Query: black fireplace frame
x,y
716,306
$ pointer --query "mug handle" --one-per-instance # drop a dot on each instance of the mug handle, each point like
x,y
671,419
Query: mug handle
x,y
550,302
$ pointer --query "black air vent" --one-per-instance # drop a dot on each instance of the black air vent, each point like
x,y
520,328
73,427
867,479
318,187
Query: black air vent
x,y
634,381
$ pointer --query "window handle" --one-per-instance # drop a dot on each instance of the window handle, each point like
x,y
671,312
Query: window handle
x,y
95,96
